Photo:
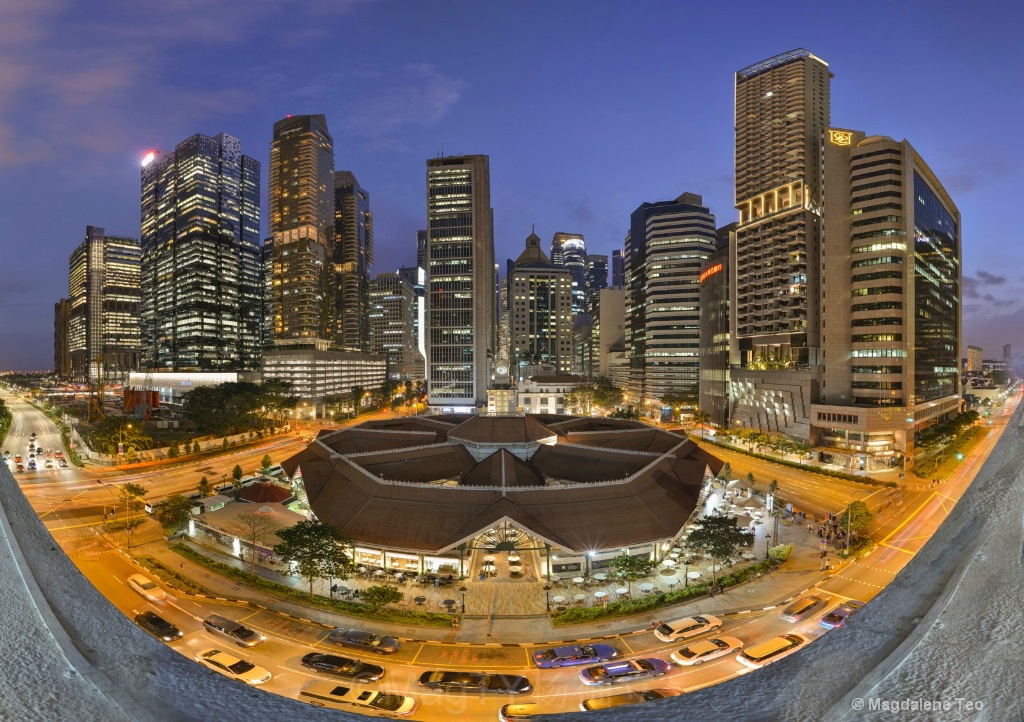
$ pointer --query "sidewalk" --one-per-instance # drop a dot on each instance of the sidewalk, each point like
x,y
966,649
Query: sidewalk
x,y
800,573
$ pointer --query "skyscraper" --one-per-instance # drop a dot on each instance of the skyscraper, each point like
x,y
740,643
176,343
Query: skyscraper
x,y
421,249
618,270
392,319
891,306
569,250
201,292
782,111
353,255
666,247
460,278
301,193
61,352
597,278
104,292
539,311
416,276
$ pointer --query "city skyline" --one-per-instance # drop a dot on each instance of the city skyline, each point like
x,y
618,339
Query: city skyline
x,y
546,132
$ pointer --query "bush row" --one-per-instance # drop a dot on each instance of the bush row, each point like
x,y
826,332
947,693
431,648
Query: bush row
x,y
352,609
169,576
807,467
627,607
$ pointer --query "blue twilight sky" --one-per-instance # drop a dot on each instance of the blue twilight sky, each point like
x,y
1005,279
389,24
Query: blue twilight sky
x,y
587,109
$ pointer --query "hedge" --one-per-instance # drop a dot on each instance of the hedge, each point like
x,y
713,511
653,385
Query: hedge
x,y
627,607
169,576
806,467
352,609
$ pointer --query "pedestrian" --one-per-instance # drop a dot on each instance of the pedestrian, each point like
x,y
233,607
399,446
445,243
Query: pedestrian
x,y
181,565
455,622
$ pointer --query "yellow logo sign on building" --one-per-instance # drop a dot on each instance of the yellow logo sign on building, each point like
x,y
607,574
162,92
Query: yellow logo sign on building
x,y
841,137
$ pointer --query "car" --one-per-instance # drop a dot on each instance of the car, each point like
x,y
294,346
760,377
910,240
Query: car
x,y
7,454
776,648
59,454
232,667
838,616
619,700
158,626
17,459
321,693
62,463
48,454
686,627
483,682
31,464
146,587
232,631
803,608
20,467
574,654
367,641
518,711
705,650
343,667
49,463
624,671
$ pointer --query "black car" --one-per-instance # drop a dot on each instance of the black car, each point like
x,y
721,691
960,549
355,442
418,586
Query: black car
x,y
475,682
158,627
367,641
343,667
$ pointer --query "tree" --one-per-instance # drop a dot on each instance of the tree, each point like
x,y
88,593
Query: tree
x,y
750,477
254,527
580,401
195,448
378,596
173,451
632,569
718,536
726,472
132,496
317,550
773,486
357,396
173,513
700,418
204,486
606,394
237,473
856,517
265,463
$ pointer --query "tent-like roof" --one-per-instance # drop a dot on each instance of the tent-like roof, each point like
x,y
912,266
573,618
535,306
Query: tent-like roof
x,y
502,430
264,492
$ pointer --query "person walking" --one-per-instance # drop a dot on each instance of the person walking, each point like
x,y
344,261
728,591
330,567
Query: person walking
x,y
455,622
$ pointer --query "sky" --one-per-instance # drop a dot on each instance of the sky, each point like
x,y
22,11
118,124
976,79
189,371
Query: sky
x,y
586,109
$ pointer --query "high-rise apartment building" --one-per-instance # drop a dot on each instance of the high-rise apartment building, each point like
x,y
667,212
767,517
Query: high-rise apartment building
x,y
890,301
61,352
974,359
104,294
597,278
302,220
460,277
782,111
666,247
353,255
618,270
202,294
392,317
539,314
569,251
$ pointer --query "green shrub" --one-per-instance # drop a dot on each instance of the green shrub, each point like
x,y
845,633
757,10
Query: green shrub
x,y
169,576
807,467
781,553
353,609
122,524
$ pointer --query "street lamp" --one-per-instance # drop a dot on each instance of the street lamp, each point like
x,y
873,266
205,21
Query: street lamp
x,y
463,590
686,575
767,545
120,442
547,597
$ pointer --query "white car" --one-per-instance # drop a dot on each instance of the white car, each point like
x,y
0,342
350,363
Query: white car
x,y
686,627
146,587
232,667
706,649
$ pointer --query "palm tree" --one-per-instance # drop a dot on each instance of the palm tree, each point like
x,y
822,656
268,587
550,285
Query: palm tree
x,y
700,418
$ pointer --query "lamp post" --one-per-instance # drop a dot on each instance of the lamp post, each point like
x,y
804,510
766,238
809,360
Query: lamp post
x,y
120,442
463,590
547,597
686,575
767,545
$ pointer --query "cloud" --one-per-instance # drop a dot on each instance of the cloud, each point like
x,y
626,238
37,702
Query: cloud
x,y
990,278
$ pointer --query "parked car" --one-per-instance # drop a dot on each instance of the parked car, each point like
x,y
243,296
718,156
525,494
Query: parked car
x,y
332,695
838,616
803,608
338,666
158,627
366,641
20,467
776,648
475,682
573,655
686,627
706,649
232,667
619,700
518,711
62,463
146,587
232,631
625,671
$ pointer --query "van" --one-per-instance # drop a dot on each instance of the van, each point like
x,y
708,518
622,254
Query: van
x,y
763,654
275,471
619,700
356,699
232,631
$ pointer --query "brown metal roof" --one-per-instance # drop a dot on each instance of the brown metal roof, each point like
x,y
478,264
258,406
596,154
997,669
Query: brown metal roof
x,y
264,492
585,464
503,468
501,430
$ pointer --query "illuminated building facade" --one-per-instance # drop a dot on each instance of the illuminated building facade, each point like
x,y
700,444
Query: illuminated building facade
x,y
353,256
461,328
392,315
569,251
201,285
540,318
